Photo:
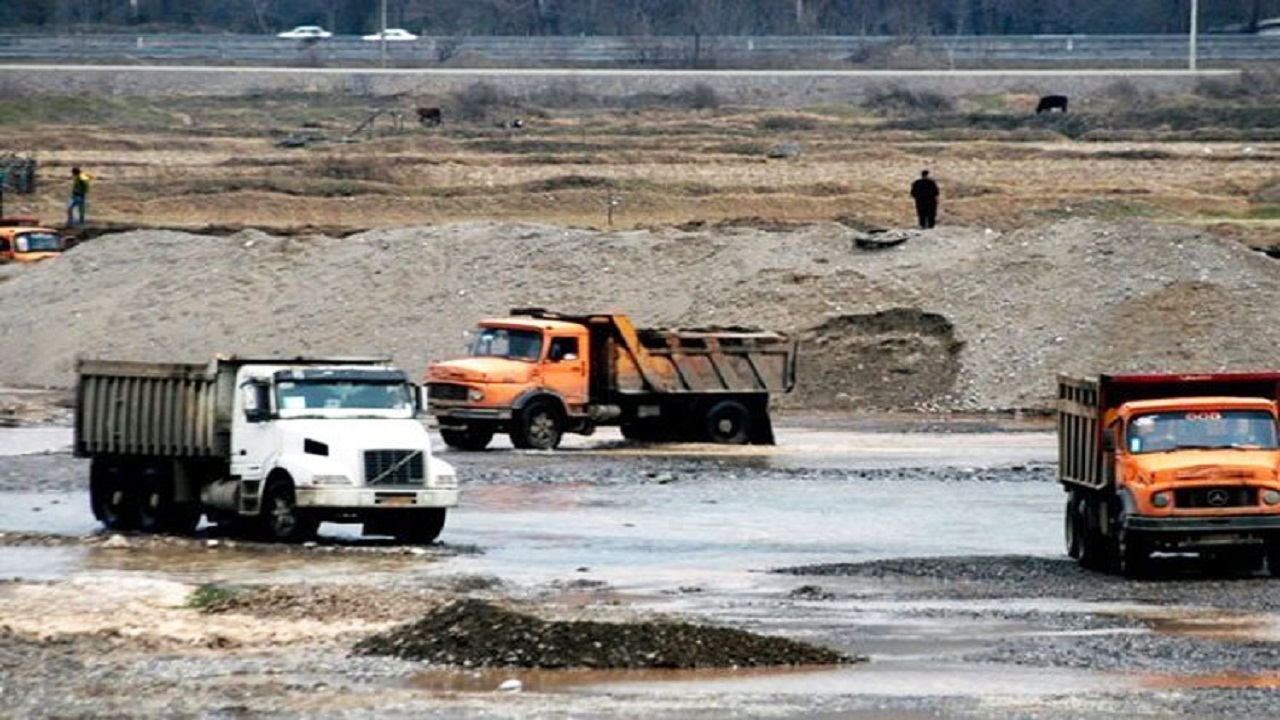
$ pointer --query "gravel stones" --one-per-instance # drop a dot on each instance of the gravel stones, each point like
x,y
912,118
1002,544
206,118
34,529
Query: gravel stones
x,y
474,633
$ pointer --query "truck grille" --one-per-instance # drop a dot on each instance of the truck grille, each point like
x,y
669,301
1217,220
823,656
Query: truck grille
x,y
394,467
446,391
1215,497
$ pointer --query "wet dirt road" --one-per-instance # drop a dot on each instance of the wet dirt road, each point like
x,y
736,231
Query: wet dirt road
x,y
996,624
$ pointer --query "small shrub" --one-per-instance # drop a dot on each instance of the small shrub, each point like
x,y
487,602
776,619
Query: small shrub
x,y
365,169
475,102
898,99
699,97
787,123
209,596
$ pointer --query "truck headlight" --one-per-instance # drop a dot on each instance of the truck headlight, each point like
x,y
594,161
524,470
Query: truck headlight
x,y
475,395
1271,497
446,480
330,480
1161,499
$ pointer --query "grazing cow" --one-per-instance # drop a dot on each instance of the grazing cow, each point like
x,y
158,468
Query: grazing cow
x,y
1052,102
430,116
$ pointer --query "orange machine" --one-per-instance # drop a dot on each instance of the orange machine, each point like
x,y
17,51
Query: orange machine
x,y
23,240
1170,463
539,374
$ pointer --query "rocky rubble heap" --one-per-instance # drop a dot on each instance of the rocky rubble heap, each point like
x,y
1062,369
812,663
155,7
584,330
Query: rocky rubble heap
x,y
473,633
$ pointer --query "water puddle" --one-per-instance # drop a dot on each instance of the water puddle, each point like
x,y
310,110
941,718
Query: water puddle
x,y
882,679
1227,680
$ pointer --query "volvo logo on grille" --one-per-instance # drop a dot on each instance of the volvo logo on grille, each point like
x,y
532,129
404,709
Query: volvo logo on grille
x,y
1217,498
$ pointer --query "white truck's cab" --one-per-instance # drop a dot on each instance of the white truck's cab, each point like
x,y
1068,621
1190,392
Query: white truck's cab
x,y
335,443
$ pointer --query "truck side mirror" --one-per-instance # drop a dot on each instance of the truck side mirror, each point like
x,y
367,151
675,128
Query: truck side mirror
x,y
1109,439
257,402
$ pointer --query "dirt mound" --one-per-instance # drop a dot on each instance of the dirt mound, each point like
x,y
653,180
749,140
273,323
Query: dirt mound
x,y
882,360
472,633
953,318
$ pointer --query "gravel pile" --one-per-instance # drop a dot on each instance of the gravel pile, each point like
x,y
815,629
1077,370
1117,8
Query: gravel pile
x,y
473,633
956,318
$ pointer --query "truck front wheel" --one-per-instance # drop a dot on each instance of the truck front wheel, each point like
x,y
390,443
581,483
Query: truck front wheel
x,y
421,528
538,427
109,495
280,520
470,437
729,422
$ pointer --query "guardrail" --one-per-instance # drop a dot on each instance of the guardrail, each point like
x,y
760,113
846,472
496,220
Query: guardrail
x,y
659,52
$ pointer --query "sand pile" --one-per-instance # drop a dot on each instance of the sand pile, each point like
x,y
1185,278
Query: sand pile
x,y
955,318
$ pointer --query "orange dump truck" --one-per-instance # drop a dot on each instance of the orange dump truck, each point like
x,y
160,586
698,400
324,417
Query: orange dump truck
x,y
537,375
1170,463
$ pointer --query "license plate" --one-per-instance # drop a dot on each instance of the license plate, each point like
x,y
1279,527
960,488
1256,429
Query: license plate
x,y
395,499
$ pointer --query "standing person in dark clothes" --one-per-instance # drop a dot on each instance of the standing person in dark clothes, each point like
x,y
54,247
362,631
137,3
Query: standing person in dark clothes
x,y
925,191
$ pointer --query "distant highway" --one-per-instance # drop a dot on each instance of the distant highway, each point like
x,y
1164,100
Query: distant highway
x,y
823,51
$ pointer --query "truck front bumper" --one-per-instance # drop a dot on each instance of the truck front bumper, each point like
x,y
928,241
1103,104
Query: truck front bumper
x,y
1198,533
349,497
465,414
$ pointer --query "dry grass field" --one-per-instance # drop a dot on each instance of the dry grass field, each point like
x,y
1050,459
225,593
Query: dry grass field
x,y
1207,159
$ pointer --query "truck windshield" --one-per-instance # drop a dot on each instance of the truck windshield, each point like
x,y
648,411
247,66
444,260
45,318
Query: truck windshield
x,y
39,242
1210,429
514,344
342,395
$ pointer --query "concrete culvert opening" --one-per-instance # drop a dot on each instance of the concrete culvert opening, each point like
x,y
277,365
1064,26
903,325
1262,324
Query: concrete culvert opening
x,y
893,359
477,634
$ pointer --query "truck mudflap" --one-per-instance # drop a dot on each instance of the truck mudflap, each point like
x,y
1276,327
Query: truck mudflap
x,y
339,497
1239,524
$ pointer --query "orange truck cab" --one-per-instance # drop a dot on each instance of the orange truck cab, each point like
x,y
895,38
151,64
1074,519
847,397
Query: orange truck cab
x,y
537,374
1170,463
23,240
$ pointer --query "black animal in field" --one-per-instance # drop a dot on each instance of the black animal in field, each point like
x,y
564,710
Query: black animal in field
x,y
1052,102
430,116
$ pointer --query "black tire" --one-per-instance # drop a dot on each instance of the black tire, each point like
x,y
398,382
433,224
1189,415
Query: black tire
x,y
1273,557
110,496
538,427
1072,527
421,528
279,519
472,437
1133,556
1096,551
728,422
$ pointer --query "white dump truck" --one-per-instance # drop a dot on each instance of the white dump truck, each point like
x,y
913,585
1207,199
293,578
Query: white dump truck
x,y
276,445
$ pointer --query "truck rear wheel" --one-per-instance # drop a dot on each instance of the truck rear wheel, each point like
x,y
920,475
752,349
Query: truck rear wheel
x,y
421,528
1072,529
538,427
110,498
728,422
471,437
279,518
158,511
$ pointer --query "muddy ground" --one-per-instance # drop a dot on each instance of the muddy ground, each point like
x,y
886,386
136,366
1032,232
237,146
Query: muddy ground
x,y
952,622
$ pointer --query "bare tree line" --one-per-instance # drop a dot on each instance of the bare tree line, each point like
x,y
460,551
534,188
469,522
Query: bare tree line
x,y
642,17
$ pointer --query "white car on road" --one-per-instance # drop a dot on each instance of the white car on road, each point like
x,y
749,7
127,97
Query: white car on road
x,y
393,34
305,32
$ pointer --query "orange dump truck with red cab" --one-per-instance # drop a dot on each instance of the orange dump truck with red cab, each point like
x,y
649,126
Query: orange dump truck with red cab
x,y
537,375
1170,463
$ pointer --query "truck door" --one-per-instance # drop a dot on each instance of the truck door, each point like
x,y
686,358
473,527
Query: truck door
x,y
565,370
253,435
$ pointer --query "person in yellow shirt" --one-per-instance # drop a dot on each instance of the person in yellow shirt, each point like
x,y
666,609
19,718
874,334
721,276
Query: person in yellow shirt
x,y
79,195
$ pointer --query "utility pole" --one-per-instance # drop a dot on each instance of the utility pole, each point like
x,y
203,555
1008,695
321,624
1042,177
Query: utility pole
x,y
382,38
1191,56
